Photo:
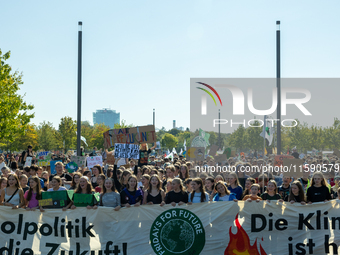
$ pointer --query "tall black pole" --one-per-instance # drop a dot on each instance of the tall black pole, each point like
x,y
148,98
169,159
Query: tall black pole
x,y
79,88
278,86
154,117
219,129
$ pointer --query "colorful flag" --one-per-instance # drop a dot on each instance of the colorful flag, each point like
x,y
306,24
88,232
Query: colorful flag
x,y
205,136
268,130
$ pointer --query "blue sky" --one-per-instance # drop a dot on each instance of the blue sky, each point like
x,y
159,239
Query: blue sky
x,y
140,55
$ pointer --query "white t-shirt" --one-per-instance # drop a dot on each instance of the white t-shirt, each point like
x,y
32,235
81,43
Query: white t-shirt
x,y
60,188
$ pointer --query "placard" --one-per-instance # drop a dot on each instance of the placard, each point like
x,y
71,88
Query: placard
x,y
220,158
43,158
52,164
79,160
123,150
292,167
46,202
92,161
337,153
196,153
279,159
213,150
28,161
135,135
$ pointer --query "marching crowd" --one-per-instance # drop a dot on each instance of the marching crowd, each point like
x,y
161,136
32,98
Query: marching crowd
x,y
159,180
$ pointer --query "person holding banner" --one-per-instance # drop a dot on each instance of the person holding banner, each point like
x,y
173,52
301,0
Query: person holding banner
x,y
296,193
250,181
318,192
110,197
254,190
144,154
33,195
3,183
13,195
177,195
234,185
271,192
198,194
154,194
131,195
84,187
223,194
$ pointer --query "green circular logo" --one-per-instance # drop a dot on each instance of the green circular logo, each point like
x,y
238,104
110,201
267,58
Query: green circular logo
x,y
177,231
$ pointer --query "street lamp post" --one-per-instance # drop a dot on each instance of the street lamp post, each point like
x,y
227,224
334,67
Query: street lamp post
x,y
278,85
79,88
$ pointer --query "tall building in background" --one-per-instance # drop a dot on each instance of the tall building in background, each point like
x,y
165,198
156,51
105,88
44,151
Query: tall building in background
x,y
107,116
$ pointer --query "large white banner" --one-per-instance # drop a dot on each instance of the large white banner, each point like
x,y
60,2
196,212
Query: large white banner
x,y
207,228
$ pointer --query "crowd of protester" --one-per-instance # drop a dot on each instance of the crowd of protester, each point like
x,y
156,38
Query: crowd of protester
x,y
161,180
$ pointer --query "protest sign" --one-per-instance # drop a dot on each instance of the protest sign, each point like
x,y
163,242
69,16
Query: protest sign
x,y
52,164
60,198
232,153
123,150
28,161
195,153
220,158
292,167
83,200
79,160
135,135
46,202
71,167
278,161
213,150
243,228
92,161
337,153
43,158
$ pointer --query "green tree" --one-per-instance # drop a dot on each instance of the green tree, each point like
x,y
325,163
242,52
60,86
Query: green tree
x,y
169,141
253,139
21,141
46,136
66,135
14,111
